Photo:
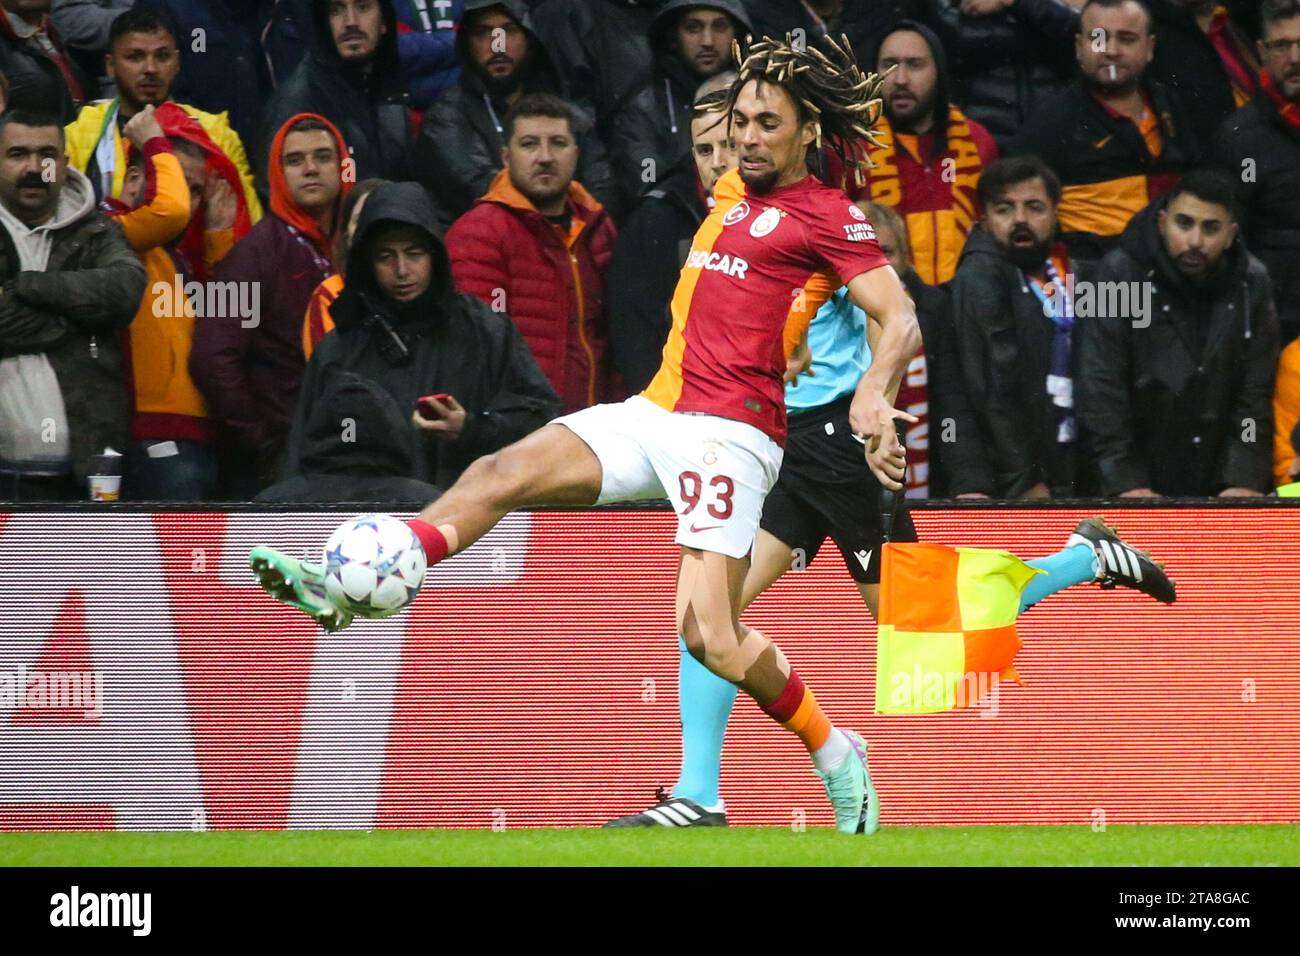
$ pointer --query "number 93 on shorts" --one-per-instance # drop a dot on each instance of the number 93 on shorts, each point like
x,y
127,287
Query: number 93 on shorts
x,y
715,471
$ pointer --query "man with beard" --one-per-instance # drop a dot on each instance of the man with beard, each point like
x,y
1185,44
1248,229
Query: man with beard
x,y
144,62
1014,319
931,154
1117,139
352,77
1178,401
536,246
1259,147
691,41
69,285
502,60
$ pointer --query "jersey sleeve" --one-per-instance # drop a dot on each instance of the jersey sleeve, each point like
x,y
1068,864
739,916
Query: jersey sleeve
x,y
843,239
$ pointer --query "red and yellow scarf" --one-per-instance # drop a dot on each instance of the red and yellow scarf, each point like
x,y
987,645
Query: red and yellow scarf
x,y
935,195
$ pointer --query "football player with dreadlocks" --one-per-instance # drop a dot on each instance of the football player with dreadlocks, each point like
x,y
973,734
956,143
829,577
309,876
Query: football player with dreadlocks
x,y
826,490
708,431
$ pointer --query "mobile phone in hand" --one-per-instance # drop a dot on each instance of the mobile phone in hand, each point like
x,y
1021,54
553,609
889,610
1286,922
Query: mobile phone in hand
x,y
425,405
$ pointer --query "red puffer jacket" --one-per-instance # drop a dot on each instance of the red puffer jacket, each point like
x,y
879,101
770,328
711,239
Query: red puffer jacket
x,y
552,284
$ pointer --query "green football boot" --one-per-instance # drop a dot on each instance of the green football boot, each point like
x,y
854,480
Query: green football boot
x,y
857,808
299,584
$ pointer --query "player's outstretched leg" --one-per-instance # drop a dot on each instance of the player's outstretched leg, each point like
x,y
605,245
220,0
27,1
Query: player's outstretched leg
x,y
708,599
552,466
1095,552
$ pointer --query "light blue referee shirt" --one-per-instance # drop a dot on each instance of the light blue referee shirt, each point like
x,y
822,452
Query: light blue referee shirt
x,y
837,337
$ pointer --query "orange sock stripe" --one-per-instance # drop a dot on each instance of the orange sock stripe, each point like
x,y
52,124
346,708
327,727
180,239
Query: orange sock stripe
x,y
809,723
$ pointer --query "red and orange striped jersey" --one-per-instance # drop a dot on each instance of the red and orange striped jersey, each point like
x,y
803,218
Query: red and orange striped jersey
x,y
759,268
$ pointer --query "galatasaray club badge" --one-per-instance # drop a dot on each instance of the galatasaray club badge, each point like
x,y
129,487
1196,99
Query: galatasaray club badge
x,y
765,223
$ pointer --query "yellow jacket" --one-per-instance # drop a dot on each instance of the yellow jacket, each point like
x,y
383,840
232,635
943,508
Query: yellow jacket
x,y
167,403
84,132
1286,412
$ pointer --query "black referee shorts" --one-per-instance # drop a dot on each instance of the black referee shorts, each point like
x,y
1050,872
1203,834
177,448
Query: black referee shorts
x,y
825,490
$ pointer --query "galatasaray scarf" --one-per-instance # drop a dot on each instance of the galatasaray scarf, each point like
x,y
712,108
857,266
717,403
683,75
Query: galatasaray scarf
x,y
939,209
1234,51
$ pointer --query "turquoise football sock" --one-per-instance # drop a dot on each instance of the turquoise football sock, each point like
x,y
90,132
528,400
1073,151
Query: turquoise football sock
x,y
704,701
1064,569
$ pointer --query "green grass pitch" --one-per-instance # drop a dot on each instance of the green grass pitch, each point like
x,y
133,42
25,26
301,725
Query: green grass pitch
x,y
1275,845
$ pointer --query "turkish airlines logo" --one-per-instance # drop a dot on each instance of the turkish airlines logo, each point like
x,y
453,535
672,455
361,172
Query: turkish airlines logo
x,y
736,213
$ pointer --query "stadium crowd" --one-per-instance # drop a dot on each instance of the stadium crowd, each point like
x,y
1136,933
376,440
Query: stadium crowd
x,y
334,250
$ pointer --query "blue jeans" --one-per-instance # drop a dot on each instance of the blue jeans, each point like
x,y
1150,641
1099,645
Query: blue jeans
x,y
188,475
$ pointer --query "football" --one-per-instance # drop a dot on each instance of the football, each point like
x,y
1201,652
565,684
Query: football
x,y
373,566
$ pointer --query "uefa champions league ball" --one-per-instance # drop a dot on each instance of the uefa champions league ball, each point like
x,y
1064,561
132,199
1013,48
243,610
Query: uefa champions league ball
x,y
373,566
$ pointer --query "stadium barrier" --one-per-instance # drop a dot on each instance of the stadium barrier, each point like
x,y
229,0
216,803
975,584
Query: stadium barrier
x,y
146,683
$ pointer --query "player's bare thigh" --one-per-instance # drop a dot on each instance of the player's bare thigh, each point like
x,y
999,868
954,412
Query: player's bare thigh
x,y
709,587
551,466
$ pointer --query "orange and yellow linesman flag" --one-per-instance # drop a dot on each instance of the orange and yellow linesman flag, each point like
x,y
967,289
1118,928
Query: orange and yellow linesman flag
x,y
947,629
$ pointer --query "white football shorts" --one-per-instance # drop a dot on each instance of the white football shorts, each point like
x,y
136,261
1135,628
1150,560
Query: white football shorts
x,y
715,471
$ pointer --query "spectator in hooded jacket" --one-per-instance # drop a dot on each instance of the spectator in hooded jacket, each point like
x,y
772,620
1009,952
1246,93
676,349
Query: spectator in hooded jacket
x,y
144,62
234,53
599,48
402,325
369,459
502,60
652,246
691,40
69,284
1259,147
932,154
42,76
352,77
248,366
1176,397
1014,313
176,178
1008,56
536,247
426,44
1116,138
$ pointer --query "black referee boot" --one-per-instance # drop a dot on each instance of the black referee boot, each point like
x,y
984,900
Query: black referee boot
x,y
1120,564
671,811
